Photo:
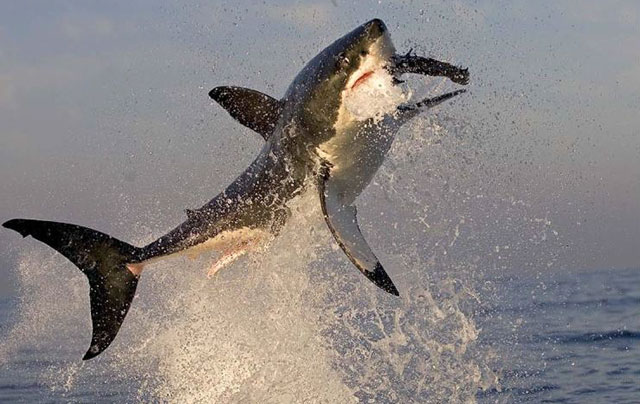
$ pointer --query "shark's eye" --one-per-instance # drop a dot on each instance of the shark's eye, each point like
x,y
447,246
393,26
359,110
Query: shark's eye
x,y
342,61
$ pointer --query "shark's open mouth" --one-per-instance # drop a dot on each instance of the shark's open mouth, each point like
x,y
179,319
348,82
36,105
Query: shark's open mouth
x,y
373,94
373,90
362,79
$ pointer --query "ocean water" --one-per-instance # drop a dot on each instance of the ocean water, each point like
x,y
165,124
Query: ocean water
x,y
297,323
569,337
565,337
275,327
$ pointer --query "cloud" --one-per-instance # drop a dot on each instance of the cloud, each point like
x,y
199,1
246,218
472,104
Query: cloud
x,y
78,27
621,12
7,93
629,79
302,15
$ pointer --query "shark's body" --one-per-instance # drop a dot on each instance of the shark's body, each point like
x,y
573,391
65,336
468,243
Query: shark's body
x,y
314,133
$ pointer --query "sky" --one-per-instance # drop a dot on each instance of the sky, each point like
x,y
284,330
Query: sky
x,y
105,119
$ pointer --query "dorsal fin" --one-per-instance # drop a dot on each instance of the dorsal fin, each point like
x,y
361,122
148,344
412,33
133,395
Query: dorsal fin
x,y
251,108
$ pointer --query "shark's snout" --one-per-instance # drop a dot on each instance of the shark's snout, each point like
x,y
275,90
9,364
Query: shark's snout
x,y
375,27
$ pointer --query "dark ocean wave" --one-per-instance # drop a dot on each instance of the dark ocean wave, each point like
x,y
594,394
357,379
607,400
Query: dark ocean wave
x,y
618,301
560,305
594,337
518,391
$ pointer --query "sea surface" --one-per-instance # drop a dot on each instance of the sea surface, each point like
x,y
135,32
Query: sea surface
x,y
567,338
557,337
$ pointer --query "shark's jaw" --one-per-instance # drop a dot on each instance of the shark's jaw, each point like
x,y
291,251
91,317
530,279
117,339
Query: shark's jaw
x,y
378,56
370,91
369,94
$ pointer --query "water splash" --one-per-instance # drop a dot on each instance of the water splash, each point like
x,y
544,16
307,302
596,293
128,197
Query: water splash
x,y
249,335
376,96
295,323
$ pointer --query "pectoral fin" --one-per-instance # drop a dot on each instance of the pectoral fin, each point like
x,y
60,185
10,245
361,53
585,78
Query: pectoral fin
x,y
343,224
253,109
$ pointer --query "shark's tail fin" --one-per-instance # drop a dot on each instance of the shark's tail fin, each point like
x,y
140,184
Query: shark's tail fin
x,y
103,260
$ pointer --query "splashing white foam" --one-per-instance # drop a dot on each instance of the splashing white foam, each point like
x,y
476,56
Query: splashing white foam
x,y
249,335
375,97
297,323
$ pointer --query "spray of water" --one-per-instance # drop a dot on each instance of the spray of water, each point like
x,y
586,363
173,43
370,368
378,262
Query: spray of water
x,y
296,323
376,96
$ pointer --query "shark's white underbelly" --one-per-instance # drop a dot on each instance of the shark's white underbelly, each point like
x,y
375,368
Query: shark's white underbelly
x,y
365,126
228,244
229,241
356,153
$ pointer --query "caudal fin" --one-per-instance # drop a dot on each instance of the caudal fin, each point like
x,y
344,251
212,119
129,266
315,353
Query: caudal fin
x,y
103,260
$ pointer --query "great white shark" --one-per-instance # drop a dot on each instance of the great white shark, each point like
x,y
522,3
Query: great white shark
x,y
323,132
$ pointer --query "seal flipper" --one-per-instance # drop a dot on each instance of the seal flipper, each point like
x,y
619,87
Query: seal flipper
x,y
408,111
253,109
431,67
343,224
103,260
